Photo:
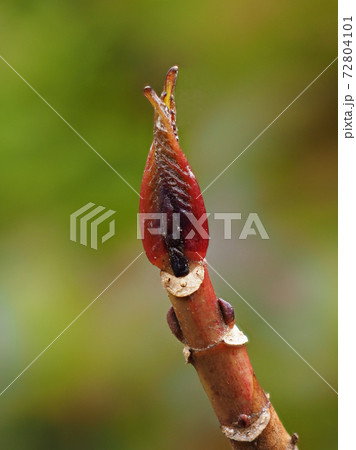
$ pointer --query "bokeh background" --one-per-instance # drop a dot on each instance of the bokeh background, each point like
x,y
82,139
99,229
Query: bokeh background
x,y
117,379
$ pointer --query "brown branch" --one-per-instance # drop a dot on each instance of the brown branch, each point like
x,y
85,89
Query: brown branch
x,y
218,353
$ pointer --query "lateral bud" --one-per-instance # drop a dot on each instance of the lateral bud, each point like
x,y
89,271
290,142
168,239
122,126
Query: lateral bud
x,y
245,431
243,421
227,312
174,325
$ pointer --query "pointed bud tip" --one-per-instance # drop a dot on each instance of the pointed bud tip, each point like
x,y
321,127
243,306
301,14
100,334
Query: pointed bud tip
x,y
169,84
147,90
170,188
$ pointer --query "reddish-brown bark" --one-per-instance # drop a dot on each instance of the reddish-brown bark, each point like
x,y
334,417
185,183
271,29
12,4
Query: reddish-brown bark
x,y
225,371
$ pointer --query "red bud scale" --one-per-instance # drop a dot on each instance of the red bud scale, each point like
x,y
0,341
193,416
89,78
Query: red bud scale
x,y
170,188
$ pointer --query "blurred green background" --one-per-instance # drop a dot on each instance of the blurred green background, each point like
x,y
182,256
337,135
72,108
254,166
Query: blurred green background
x,y
117,379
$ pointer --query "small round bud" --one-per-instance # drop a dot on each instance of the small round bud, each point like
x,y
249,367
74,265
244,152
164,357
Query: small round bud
x,y
174,324
243,421
227,312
